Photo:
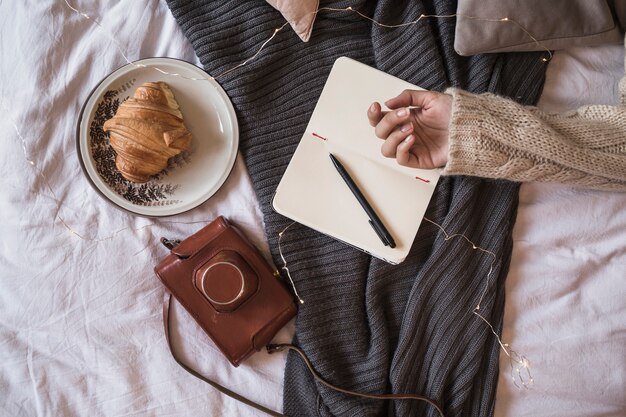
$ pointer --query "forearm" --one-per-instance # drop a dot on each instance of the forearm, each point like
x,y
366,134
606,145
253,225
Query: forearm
x,y
493,137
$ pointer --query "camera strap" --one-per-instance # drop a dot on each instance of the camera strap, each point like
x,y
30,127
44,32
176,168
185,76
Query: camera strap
x,y
167,301
273,348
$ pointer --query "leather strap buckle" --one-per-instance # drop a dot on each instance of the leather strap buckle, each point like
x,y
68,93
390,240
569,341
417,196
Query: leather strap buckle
x,y
170,243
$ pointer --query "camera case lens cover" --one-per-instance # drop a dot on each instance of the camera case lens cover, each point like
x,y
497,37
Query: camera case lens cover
x,y
226,281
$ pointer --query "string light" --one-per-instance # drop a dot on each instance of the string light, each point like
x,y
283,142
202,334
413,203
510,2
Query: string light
x,y
284,267
315,13
257,52
106,33
243,63
520,365
447,16
54,197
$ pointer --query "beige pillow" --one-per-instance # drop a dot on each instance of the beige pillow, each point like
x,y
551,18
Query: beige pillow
x,y
556,24
299,13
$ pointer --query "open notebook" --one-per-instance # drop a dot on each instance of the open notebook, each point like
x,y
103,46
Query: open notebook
x,y
313,193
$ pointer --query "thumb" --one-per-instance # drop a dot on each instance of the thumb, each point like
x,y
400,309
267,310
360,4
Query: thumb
x,y
417,98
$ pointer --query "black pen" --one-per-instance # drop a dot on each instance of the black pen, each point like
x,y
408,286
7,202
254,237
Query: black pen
x,y
374,221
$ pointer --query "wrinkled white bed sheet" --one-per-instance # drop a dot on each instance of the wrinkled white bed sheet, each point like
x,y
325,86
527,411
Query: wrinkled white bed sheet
x,y
80,309
566,289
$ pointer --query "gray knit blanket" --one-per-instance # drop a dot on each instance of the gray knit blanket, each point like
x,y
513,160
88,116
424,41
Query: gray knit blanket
x,y
367,325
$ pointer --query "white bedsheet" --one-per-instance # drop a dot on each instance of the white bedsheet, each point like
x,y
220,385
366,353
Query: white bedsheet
x,y
566,289
80,319
80,308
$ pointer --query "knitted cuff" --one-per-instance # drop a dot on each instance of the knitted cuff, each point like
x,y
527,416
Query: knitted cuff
x,y
465,140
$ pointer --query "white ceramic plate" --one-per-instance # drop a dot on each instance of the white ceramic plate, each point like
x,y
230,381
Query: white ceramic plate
x,y
191,178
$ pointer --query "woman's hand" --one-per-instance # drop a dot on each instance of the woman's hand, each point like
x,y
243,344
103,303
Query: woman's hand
x,y
418,136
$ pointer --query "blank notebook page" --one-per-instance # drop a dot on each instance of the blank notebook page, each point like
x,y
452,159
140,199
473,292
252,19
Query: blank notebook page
x,y
311,191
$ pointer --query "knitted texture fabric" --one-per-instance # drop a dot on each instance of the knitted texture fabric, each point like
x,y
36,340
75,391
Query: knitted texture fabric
x,y
493,137
367,325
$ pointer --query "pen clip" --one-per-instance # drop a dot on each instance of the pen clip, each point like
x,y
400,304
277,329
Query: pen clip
x,y
380,233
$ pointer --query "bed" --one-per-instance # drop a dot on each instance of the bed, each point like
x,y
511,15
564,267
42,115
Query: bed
x,y
81,332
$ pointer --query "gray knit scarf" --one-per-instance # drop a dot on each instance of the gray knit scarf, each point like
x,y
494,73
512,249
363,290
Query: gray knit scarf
x,y
367,325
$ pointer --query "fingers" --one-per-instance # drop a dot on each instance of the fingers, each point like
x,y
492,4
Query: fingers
x,y
389,148
374,114
397,130
397,126
403,151
391,121
398,146
417,98
386,122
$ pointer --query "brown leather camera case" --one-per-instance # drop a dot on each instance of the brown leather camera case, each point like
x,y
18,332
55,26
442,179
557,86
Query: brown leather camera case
x,y
223,281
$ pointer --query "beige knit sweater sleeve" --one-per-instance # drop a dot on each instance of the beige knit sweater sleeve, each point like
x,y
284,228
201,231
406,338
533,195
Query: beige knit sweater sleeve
x,y
494,137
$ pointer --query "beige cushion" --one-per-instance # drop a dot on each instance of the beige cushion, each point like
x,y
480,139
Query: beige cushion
x,y
299,13
555,24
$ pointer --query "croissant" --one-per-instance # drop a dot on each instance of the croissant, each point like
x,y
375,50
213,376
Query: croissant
x,y
146,131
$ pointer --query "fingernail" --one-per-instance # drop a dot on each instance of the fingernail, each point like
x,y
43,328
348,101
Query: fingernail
x,y
406,128
372,108
408,139
402,112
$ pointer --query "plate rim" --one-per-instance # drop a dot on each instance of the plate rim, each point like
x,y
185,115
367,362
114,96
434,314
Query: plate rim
x,y
82,162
